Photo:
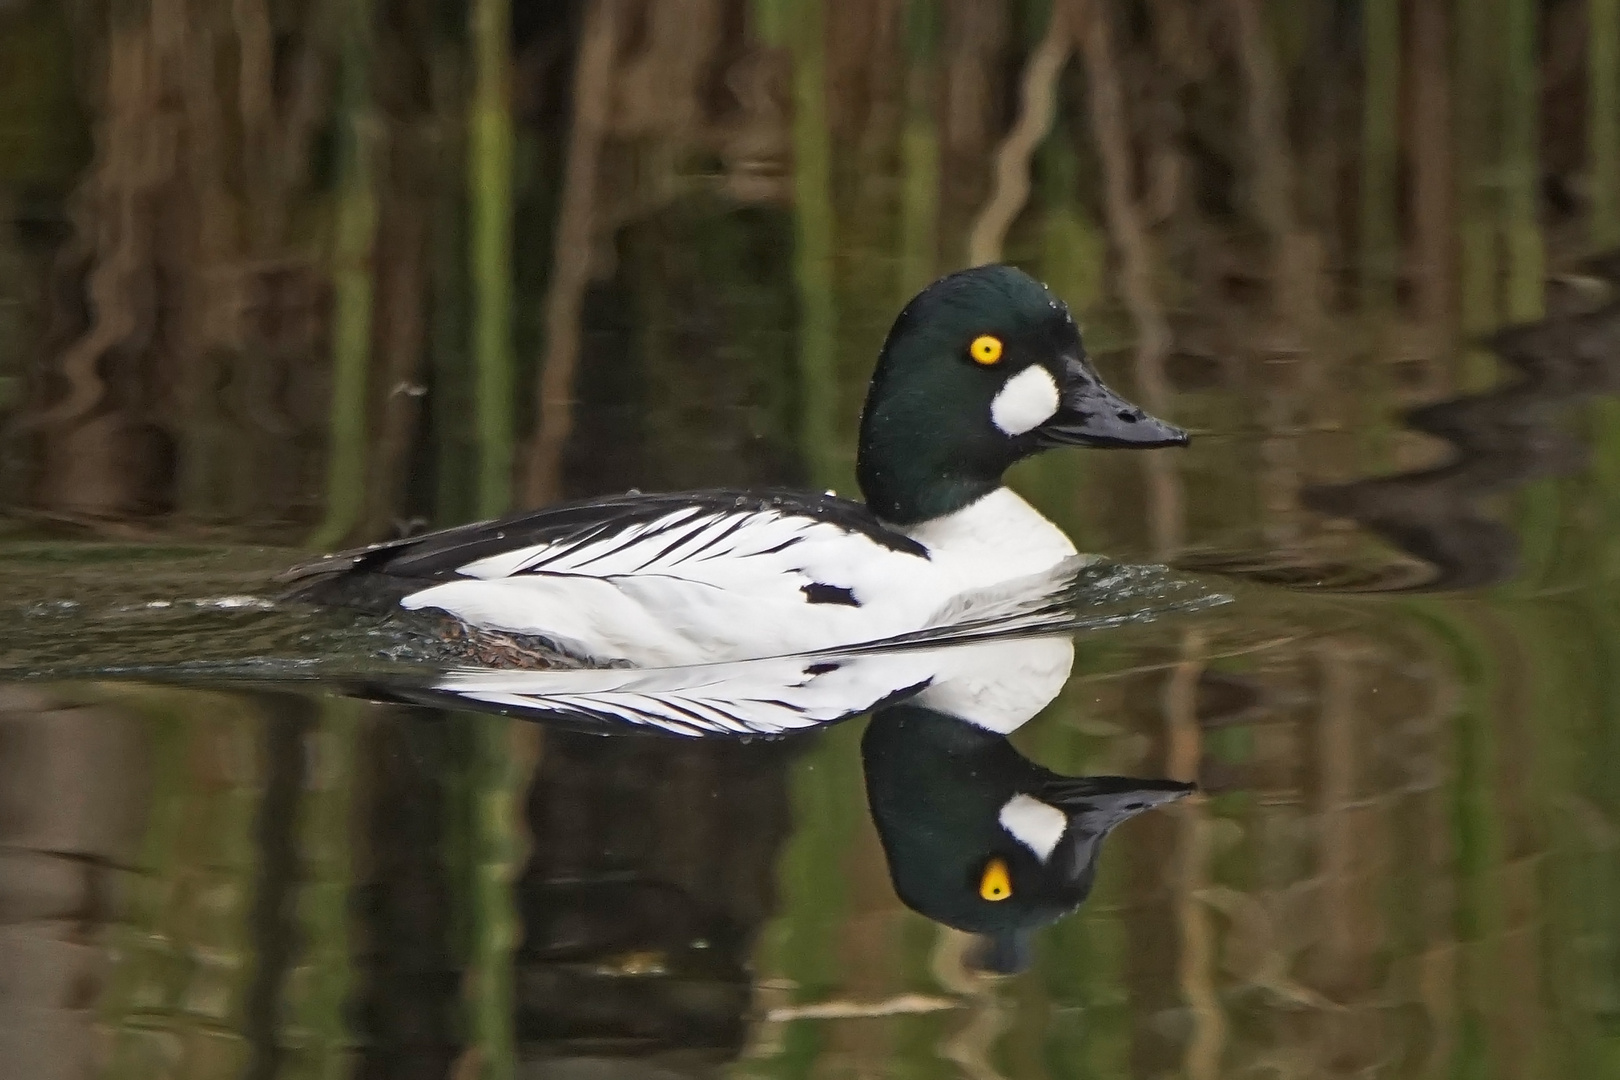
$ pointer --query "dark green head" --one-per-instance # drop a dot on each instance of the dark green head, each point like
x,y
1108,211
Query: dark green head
x,y
982,369
981,838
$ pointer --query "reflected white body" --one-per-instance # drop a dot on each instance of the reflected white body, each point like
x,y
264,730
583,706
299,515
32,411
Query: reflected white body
x,y
998,685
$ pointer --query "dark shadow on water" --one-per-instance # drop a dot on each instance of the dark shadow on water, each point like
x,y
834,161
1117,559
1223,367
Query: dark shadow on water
x,y
1525,429
1521,431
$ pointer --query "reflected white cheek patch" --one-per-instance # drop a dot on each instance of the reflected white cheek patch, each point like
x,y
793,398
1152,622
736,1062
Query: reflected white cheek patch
x,y
1034,824
1027,401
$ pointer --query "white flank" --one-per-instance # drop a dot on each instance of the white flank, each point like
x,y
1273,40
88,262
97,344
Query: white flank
x,y
701,586
695,586
1034,824
1027,401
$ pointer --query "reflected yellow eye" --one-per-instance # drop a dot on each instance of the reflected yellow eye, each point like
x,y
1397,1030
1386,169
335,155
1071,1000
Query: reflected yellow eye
x,y
986,349
994,884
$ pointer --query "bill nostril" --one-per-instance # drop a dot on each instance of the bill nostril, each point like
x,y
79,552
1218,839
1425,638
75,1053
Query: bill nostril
x,y
1127,416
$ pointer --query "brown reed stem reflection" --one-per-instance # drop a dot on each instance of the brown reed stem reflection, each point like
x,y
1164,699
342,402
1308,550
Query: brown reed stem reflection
x,y
1112,133
571,253
1037,106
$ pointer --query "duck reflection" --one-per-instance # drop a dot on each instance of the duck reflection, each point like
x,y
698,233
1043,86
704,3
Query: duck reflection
x,y
981,838
999,684
977,836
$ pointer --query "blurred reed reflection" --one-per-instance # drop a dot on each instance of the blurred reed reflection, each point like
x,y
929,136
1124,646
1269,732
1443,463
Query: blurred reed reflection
x,y
309,273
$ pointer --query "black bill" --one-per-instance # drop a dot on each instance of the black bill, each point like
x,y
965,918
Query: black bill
x,y
1090,414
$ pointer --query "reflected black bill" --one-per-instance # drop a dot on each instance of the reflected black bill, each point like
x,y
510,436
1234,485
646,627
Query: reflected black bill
x,y
1118,797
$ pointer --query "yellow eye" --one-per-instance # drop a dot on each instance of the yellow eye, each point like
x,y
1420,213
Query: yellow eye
x,y
994,884
986,349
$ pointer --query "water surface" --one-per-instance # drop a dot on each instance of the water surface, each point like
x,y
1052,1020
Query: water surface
x,y
250,310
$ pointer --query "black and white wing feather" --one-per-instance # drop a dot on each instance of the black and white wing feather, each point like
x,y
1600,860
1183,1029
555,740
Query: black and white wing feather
x,y
630,533
656,580
747,698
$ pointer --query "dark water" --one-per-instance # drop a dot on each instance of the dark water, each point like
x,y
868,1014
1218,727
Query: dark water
x,y
255,301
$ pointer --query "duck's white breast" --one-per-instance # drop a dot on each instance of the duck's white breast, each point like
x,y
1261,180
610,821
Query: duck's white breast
x,y
997,538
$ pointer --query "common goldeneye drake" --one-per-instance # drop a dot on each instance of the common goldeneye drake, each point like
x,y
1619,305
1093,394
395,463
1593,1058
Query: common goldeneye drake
x,y
982,369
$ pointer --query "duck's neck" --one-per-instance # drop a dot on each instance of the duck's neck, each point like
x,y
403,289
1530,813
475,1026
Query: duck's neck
x,y
908,488
996,537
910,504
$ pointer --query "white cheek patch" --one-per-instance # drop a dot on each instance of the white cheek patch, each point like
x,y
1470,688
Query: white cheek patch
x,y
1027,401
1034,824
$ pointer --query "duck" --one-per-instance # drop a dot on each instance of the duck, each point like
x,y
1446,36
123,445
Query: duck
x,y
982,839
980,370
